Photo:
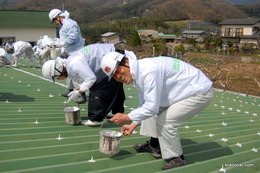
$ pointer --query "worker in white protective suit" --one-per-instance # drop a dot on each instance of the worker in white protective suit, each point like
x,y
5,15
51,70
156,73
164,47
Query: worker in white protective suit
x,y
37,52
8,48
83,67
171,92
22,48
45,49
4,57
70,39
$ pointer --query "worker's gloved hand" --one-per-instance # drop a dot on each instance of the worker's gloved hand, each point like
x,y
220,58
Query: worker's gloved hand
x,y
57,44
73,95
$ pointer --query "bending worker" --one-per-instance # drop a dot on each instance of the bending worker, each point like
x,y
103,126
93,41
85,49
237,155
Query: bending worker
x,y
4,57
22,48
171,92
70,39
83,67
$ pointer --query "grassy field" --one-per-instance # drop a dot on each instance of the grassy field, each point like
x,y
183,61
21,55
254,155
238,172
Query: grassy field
x,y
225,135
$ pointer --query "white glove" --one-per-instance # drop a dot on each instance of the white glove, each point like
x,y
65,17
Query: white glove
x,y
58,44
73,95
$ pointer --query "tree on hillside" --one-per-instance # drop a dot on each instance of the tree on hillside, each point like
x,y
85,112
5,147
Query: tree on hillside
x,y
135,40
160,47
192,41
217,41
179,51
207,39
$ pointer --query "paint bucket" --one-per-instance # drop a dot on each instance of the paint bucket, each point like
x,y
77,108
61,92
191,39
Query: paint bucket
x,y
109,141
72,115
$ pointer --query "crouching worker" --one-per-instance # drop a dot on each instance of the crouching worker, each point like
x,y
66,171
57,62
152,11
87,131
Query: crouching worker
x,y
4,57
22,48
171,92
83,67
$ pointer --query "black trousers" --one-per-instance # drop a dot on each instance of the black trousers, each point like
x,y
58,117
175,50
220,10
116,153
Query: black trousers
x,y
105,96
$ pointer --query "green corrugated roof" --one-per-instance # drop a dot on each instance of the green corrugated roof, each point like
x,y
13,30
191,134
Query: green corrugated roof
x,y
25,19
225,137
167,35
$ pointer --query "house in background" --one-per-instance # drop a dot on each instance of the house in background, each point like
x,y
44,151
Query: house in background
x,y
168,37
148,33
114,38
196,34
25,25
241,31
152,34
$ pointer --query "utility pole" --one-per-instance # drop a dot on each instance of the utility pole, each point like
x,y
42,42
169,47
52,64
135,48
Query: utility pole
x,y
62,5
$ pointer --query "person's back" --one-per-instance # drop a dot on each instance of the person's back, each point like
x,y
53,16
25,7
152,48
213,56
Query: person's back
x,y
177,78
22,47
18,44
70,34
88,60
94,53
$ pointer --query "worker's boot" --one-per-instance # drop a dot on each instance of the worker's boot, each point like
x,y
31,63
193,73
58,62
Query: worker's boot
x,y
82,99
174,162
15,63
146,147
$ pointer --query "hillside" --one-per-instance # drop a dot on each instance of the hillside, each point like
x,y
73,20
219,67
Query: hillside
x,y
85,11
241,1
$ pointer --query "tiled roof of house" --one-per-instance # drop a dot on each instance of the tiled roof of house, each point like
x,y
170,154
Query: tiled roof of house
x,y
194,32
25,19
239,21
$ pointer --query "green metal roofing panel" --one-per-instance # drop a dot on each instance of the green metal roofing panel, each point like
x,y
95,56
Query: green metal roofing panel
x,y
167,35
25,19
225,137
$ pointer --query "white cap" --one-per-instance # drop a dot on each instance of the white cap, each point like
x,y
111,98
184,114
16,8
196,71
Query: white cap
x,y
54,13
110,62
52,68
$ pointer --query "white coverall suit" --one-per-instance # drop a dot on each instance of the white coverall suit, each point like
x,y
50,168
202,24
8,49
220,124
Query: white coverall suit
x,y
45,50
170,92
84,68
4,57
82,65
22,47
70,34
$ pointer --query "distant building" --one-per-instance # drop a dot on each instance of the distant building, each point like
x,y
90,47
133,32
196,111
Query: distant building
x,y
215,32
241,31
196,34
148,33
155,34
25,25
114,38
168,37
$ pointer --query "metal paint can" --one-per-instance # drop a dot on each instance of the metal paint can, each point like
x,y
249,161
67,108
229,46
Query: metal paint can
x,y
109,141
72,115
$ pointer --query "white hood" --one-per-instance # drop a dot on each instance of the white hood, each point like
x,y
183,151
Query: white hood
x,y
132,63
65,14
